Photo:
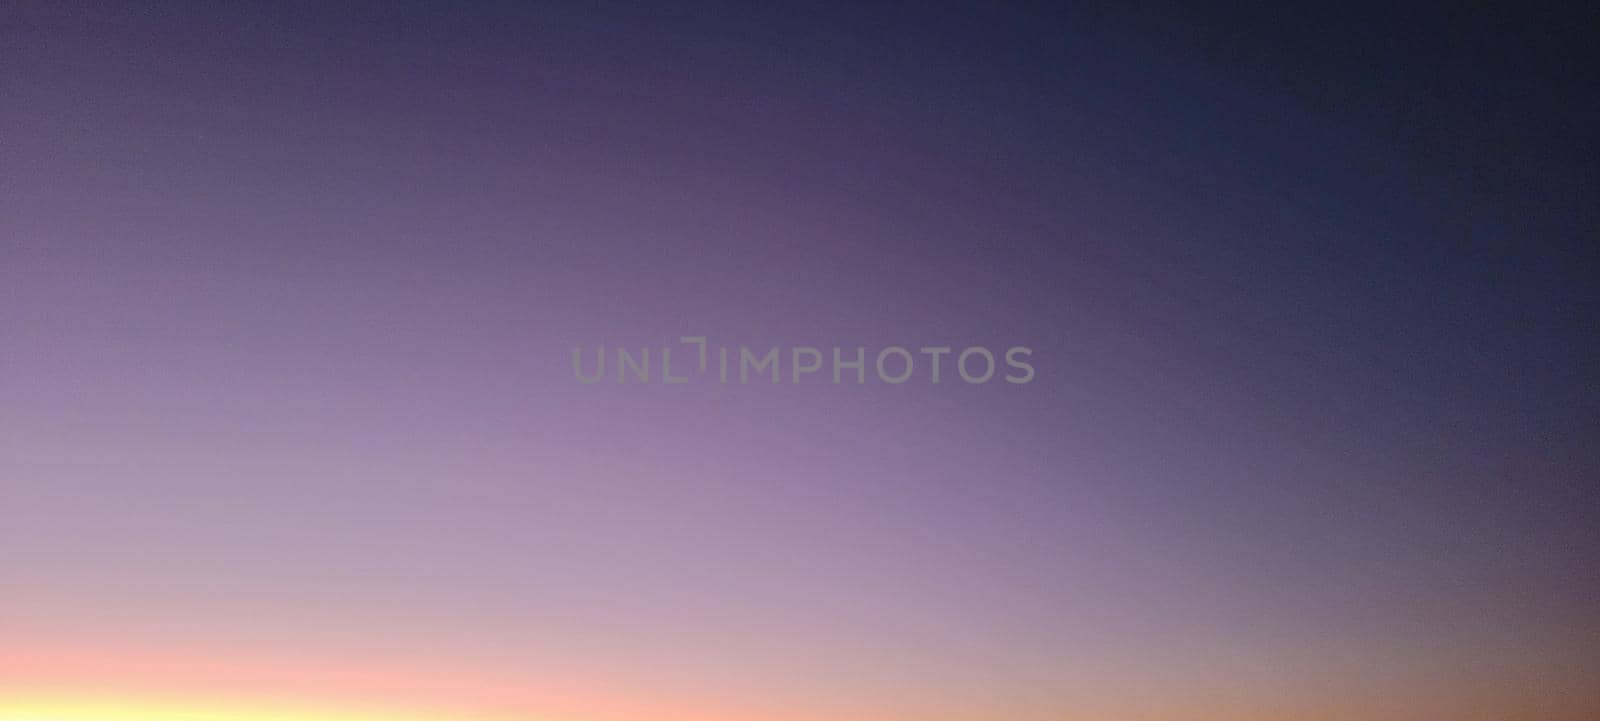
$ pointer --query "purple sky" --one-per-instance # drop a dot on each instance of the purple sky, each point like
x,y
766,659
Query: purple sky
x,y
288,296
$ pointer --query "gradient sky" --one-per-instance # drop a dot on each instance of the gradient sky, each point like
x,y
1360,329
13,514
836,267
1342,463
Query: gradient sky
x,y
288,295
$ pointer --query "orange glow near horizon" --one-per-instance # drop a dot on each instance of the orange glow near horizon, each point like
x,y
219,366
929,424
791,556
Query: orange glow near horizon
x,y
50,708
54,683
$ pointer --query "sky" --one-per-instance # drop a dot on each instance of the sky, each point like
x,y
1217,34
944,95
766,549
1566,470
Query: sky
x,y
290,430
